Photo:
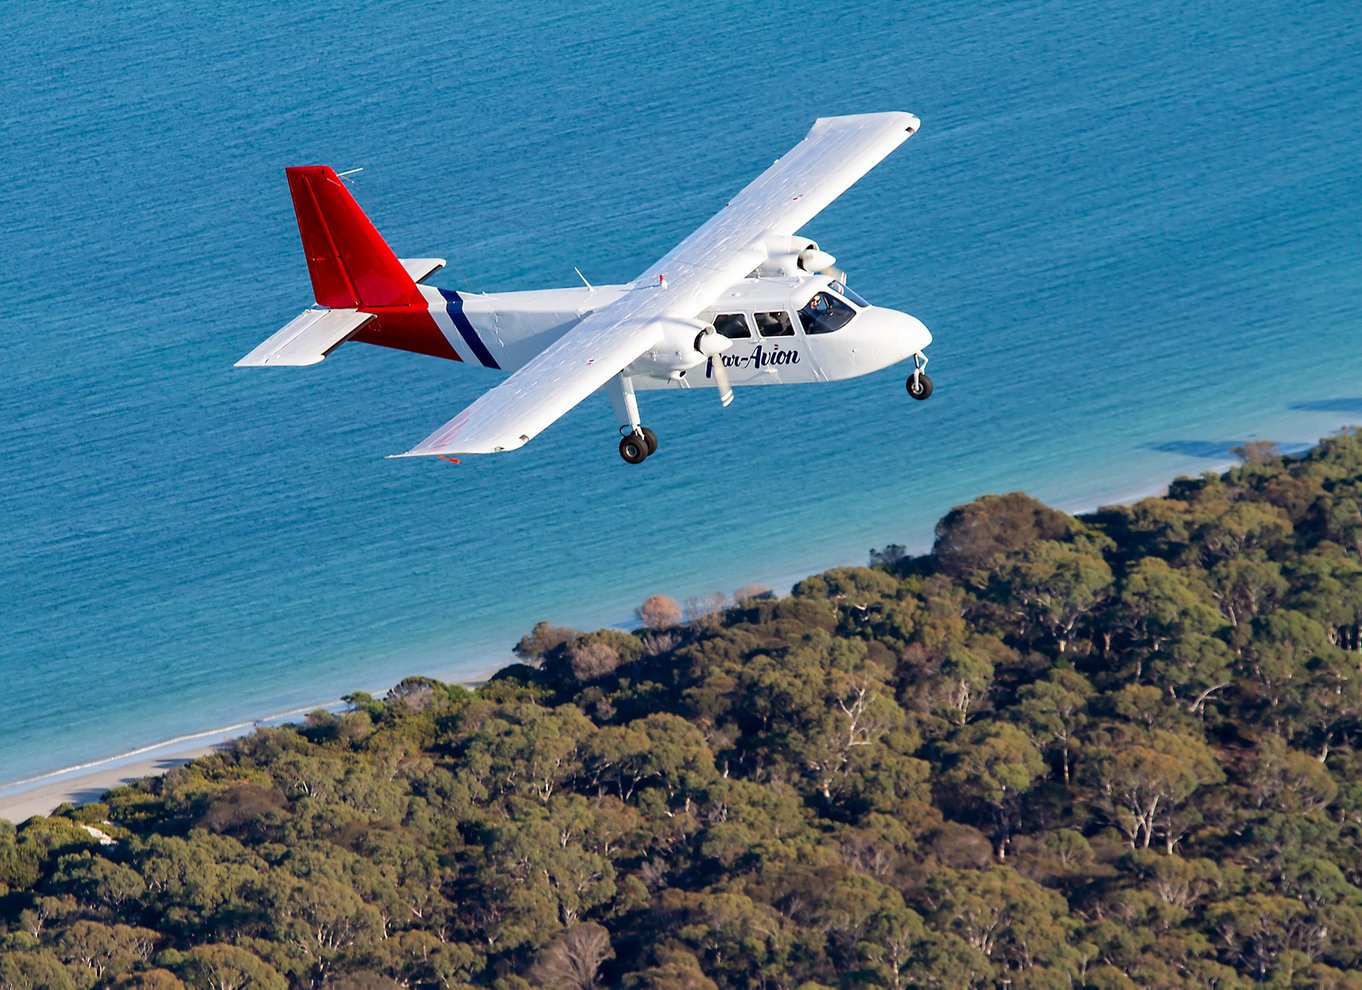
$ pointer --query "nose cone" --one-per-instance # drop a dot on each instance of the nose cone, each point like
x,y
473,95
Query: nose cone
x,y
913,334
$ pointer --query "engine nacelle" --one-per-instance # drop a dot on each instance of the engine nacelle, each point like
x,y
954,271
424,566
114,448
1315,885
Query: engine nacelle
x,y
793,256
684,344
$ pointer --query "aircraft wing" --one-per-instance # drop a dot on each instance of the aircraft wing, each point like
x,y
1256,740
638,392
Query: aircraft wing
x,y
564,374
581,361
834,155
837,152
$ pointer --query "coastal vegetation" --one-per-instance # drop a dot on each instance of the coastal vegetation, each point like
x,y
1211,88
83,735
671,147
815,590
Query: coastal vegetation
x,y
1111,751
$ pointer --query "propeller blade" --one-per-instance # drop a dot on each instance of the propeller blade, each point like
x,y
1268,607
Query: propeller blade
x,y
721,379
712,345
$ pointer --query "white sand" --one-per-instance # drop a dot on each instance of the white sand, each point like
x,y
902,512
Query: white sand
x,y
81,787
22,800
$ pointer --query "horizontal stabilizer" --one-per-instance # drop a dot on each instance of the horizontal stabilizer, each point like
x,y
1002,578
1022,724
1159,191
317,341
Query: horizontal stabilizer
x,y
421,268
308,338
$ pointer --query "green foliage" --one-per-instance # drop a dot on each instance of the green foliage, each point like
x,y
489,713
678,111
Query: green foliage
x,y
1110,752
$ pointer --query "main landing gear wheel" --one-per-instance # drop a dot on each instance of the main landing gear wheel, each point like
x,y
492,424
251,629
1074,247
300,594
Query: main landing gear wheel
x,y
634,448
919,385
651,437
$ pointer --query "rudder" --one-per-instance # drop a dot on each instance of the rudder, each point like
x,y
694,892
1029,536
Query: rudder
x,y
350,264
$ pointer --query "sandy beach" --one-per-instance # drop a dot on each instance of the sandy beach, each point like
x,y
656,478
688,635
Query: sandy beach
x,y
22,800
19,805
41,795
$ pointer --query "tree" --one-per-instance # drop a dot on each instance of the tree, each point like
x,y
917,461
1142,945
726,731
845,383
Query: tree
x,y
1257,453
966,676
1015,923
573,959
675,969
33,970
1157,603
523,748
1140,784
1054,585
592,659
1239,528
969,536
1053,710
890,557
659,612
1325,702
1287,780
543,639
747,942
225,967
96,881
1245,587
991,766
705,611
857,585
1278,653
106,951
1257,929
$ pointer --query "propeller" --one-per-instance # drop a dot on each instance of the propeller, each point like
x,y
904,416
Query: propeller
x,y
712,345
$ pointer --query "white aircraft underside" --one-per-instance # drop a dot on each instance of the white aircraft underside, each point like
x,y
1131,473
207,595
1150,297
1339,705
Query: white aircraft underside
x,y
742,301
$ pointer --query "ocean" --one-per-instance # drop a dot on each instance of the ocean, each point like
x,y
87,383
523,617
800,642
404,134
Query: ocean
x,y
1133,228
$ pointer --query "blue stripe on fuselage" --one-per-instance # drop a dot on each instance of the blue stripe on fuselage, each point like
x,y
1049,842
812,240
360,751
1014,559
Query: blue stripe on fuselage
x,y
454,306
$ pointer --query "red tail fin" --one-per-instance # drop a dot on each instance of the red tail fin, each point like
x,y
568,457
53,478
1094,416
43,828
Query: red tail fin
x,y
350,263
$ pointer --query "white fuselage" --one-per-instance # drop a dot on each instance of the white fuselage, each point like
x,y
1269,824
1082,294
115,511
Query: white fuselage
x,y
772,341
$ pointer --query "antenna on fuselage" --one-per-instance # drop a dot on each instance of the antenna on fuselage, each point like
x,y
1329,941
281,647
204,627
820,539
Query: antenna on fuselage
x,y
583,278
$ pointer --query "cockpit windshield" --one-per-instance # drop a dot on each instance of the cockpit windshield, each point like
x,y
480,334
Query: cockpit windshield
x,y
841,289
825,313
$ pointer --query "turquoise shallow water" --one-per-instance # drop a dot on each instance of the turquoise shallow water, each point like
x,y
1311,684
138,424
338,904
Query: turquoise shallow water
x,y
1134,231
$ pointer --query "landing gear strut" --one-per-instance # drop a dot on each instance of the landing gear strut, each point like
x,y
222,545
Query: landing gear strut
x,y
919,385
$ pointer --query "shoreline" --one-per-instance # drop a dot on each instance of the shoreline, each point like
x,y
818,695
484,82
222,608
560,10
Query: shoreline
x,y
87,782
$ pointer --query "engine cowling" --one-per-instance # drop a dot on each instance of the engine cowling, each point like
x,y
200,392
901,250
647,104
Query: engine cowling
x,y
794,256
684,344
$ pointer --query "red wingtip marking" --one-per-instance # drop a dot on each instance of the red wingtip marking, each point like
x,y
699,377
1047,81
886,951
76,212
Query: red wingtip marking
x,y
452,460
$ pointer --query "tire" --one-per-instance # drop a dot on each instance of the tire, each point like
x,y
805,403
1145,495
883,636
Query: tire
x,y
924,390
634,449
651,437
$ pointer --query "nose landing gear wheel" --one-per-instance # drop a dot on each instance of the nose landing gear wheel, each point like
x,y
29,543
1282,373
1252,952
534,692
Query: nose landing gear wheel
x,y
651,437
919,386
634,448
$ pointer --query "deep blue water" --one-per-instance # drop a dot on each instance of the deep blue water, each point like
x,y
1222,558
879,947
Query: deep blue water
x,y
1134,228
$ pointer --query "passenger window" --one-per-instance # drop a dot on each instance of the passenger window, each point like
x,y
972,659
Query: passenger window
x,y
732,325
775,324
825,313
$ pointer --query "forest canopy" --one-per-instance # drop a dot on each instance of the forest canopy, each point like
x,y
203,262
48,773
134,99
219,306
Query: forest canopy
x,y
1110,751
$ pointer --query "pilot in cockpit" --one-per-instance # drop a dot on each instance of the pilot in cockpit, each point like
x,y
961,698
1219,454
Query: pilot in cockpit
x,y
824,313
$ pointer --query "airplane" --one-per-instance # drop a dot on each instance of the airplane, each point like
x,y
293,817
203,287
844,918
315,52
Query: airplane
x,y
744,300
